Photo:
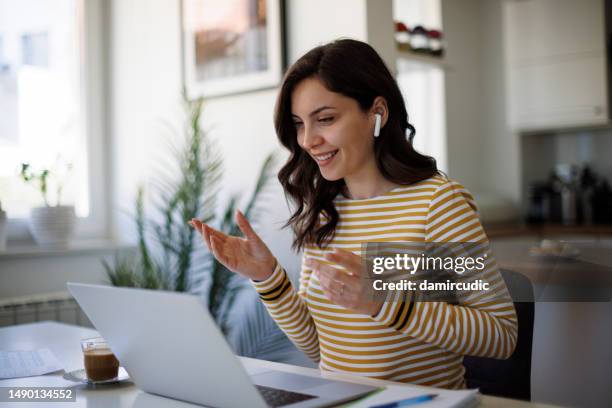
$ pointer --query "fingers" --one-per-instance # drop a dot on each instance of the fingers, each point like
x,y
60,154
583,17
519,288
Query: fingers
x,y
338,287
218,244
347,289
207,232
332,288
199,226
347,259
245,226
330,278
323,268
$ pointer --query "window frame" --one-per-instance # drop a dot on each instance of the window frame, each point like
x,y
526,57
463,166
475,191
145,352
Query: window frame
x,y
93,43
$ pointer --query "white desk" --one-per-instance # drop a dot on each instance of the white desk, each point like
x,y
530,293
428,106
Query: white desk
x,y
63,340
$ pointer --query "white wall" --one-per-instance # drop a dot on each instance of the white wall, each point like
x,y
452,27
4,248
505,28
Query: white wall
x,y
500,146
461,22
318,21
482,152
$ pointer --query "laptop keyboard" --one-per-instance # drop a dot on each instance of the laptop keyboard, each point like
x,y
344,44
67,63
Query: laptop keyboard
x,y
279,398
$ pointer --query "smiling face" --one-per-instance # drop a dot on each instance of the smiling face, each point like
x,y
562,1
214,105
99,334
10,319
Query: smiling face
x,y
333,130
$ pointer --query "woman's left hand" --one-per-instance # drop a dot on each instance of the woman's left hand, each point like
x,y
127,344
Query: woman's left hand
x,y
347,288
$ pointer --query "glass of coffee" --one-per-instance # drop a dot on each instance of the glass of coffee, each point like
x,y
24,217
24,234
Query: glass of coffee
x,y
100,362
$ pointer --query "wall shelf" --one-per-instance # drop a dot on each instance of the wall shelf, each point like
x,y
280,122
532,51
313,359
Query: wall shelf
x,y
407,60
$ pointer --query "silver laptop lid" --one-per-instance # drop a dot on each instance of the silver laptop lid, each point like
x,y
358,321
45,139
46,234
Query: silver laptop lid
x,y
169,344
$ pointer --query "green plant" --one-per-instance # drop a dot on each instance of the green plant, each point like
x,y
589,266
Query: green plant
x,y
171,255
224,287
41,178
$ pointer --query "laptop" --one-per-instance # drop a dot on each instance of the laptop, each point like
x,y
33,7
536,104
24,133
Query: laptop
x,y
171,346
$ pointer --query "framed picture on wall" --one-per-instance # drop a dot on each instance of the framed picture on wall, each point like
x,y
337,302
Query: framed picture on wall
x,y
232,46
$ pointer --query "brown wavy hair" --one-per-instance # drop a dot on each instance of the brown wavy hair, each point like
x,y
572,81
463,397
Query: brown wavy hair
x,y
354,69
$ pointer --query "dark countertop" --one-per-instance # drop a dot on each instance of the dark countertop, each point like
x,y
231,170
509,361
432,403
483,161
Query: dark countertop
x,y
545,230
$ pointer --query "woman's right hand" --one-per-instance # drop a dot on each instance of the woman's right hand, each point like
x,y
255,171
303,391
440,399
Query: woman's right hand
x,y
248,256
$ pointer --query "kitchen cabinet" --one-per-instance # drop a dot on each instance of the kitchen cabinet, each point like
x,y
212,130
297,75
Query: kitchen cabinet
x,y
556,68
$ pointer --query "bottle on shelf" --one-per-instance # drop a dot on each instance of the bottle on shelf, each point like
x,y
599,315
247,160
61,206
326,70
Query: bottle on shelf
x,y
538,211
419,40
564,181
402,36
588,182
435,43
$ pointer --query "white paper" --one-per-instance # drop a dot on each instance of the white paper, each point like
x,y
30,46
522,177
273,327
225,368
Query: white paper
x,y
28,363
444,399
53,380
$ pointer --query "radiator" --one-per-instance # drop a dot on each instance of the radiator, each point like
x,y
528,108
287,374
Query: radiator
x,y
56,306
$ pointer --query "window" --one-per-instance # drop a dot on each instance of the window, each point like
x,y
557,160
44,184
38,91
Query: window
x,y
46,101
3,66
35,50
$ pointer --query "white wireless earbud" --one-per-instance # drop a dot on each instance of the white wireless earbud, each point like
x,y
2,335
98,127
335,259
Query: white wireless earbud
x,y
377,124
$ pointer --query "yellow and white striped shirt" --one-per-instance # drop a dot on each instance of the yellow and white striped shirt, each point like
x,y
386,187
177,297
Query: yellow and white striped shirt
x,y
420,342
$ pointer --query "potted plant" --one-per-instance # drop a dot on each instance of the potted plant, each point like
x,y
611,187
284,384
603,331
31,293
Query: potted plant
x,y
3,228
50,225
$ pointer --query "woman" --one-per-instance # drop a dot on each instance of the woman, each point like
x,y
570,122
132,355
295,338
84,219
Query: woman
x,y
354,180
